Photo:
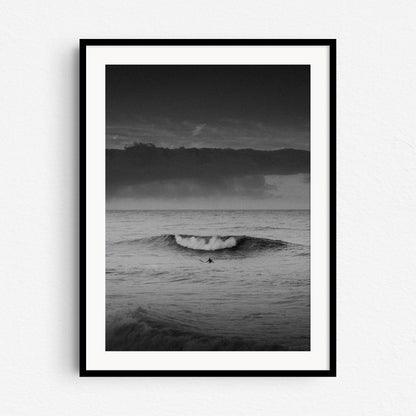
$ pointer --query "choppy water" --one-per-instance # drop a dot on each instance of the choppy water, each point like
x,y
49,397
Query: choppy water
x,y
160,296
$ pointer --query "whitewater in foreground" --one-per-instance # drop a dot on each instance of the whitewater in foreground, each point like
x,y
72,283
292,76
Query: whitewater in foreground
x,y
159,296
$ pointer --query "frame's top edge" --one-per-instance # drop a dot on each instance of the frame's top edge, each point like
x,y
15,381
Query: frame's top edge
x,y
202,42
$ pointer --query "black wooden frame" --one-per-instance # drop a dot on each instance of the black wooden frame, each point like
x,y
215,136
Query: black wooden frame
x,y
331,372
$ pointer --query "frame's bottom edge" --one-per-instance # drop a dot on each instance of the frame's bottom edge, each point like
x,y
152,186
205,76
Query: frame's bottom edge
x,y
207,373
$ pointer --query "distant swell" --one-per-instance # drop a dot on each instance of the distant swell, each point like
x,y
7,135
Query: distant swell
x,y
139,331
211,243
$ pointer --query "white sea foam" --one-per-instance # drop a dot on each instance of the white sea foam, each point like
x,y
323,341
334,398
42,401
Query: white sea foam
x,y
201,243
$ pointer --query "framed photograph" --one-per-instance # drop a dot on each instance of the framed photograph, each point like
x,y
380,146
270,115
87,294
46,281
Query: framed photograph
x,y
207,208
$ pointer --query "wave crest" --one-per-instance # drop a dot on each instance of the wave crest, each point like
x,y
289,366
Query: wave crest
x,y
208,244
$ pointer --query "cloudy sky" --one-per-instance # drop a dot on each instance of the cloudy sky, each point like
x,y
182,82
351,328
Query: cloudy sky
x,y
264,107
256,106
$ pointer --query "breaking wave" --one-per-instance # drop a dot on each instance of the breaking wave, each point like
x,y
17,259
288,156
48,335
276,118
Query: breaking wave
x,y
211,243
139,331
208,244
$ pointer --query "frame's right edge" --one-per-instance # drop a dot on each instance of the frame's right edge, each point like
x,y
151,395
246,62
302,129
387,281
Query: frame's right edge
x,y
332,209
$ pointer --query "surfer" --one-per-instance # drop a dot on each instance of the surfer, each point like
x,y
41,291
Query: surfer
x,y
208,261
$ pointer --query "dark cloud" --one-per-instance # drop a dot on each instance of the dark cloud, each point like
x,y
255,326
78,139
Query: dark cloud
x,y
145,163
256,106
202,93
149,173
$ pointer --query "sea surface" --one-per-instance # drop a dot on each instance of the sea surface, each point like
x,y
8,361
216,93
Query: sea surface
x,y
255,295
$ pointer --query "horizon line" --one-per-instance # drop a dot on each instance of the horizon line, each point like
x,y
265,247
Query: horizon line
x,y
149,144
208,209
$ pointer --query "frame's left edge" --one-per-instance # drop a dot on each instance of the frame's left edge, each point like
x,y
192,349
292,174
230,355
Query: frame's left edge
x,y
82,208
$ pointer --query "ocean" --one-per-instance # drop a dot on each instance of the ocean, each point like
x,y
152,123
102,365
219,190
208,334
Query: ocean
x,y
161,295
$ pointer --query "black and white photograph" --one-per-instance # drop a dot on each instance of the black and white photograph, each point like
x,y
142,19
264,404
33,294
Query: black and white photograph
x,y
207,199
207,208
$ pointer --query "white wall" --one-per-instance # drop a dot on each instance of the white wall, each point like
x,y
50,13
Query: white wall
x,y
377,206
